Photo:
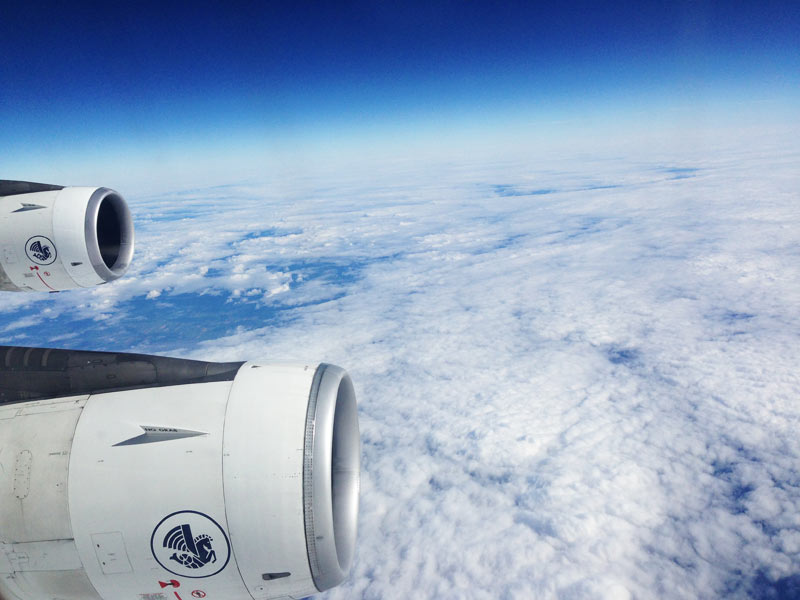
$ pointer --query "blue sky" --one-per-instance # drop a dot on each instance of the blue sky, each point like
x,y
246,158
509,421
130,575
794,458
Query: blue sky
x,y
121,83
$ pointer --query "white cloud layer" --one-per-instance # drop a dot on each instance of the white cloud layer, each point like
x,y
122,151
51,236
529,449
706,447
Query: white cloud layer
x,y
577,378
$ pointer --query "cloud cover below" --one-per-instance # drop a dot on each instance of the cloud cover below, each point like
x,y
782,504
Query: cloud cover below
x,y
577,378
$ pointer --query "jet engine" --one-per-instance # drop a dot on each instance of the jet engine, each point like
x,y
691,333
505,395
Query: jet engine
x,y
54,238
131,477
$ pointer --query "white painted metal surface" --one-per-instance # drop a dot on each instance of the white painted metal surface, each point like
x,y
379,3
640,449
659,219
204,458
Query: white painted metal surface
x,y
38,556
128,490
263,470
19,230
187,491
48,240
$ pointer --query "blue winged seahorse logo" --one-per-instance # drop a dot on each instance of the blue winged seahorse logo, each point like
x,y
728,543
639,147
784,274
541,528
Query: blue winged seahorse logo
x,y
40,250
191,551
190,544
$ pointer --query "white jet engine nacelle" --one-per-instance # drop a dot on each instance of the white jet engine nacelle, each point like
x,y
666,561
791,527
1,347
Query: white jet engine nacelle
x,y
56,238
125,477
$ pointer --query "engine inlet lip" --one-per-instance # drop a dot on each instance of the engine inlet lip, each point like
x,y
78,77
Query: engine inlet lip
x,y
123,260
125,222
331,470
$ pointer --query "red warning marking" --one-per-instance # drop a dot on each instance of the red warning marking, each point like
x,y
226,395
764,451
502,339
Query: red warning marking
x,y
44,282
171,582
34,268
178,597
198,594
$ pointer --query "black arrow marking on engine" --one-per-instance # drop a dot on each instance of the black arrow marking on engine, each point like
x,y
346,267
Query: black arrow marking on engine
x,y
154,434
26,207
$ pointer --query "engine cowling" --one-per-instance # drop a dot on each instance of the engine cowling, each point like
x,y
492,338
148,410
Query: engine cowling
x,y
126,476
55,238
